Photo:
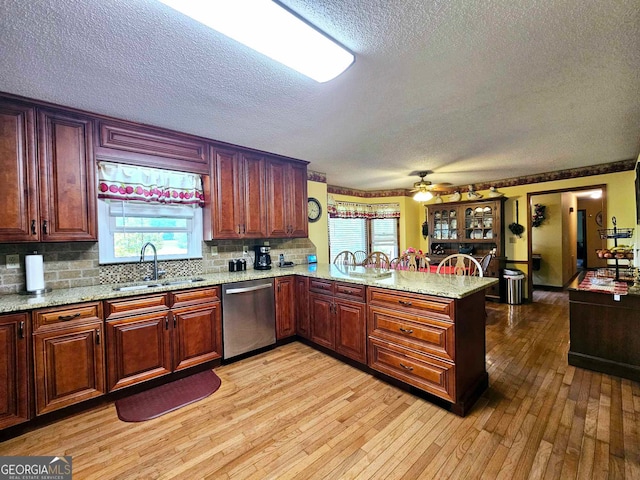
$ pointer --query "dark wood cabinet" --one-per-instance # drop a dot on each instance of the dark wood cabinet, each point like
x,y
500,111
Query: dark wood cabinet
x,y
67,178
14,365
287,199
338,317
285,307
154,335
238,204
476,226
51,196
302,307
68,349
435,344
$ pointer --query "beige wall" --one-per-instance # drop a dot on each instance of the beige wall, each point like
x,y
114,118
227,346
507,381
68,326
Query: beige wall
x,y
592,206
546,240
569,237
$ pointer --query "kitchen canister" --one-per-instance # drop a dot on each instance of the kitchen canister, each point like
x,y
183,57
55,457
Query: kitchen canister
x,y
34,268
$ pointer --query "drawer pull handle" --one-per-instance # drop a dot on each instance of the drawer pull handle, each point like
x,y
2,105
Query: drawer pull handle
x,y
66,318
405,303
406,367
404,330
97,337
166,322
44,227
21,330
33,227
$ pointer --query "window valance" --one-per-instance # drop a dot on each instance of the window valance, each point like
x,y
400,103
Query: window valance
x,y
339,209
127,182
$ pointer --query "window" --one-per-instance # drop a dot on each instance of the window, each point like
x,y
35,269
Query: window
x,y
369,235
175,230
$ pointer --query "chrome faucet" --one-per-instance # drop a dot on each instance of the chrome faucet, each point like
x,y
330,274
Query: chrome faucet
x,y
155,272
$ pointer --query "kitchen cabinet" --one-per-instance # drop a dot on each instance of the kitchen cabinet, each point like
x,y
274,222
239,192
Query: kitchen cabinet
x,y
123,142
285,307
476,226
287,199
238,203
14,365
302,307
68,350
338,317
432,343
154,335
53,194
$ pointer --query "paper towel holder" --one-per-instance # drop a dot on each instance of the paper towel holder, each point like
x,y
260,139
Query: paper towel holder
x,y
36,291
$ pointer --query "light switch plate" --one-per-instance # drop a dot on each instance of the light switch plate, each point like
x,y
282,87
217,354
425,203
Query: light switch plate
x,y
13,261
245,249
214,249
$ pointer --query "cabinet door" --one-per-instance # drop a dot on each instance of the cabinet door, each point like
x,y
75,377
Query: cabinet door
x,y
197,335
322,320
278,224
67,178
69,366
14,379
227,196
254,200
138,349
351,329
298,216
285,307
18,174
302,307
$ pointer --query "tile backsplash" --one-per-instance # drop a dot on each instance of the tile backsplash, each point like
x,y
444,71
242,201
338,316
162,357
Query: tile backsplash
x,y
76,264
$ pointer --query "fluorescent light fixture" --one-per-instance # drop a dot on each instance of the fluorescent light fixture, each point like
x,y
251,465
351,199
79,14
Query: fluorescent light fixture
x,y
272,30
423,196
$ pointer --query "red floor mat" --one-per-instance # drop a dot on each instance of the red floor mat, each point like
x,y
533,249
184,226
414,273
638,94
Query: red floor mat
x,y
168,397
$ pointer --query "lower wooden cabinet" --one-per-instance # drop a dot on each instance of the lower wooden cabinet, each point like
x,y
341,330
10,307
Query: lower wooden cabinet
x,y
338,317
68,351
151,336
14,365
285,307
303,327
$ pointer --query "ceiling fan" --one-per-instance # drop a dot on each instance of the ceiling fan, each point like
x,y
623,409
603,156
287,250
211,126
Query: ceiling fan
x,y
423,188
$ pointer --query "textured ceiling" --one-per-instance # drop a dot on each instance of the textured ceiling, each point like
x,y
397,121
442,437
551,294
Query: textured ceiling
x,y
473,90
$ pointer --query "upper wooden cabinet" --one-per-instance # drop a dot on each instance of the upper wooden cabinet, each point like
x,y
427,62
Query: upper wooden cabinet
x,y
127,143
238,203
287,196
52,198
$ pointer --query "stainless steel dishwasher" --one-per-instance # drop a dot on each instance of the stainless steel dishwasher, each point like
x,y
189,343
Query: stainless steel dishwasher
x,y
248,316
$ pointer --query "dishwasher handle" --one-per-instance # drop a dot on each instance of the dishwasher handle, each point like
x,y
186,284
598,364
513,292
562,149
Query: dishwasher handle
x,y
231,291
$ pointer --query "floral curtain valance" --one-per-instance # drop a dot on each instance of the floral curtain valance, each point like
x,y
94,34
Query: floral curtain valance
x,y
127,182
339,209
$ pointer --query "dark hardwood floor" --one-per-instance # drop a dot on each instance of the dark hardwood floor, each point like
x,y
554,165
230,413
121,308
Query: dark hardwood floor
x,y
294,412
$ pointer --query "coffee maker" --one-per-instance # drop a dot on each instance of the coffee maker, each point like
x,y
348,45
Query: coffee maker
x,y
263,258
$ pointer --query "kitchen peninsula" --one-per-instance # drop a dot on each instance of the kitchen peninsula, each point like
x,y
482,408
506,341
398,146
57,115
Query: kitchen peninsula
x,y
418,330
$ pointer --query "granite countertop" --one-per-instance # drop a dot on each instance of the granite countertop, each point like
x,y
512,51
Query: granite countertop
x,y
449,286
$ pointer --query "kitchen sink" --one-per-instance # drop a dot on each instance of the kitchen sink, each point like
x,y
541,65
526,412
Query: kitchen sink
x,y
179,281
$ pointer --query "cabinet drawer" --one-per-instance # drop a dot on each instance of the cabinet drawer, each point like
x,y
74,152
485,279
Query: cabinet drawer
x,y
421,371
420,304
350,291
72,314
136,305
194,297
321,286
427,335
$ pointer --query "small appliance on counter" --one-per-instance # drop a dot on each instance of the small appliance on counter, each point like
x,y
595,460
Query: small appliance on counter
x,y
283,263
263,257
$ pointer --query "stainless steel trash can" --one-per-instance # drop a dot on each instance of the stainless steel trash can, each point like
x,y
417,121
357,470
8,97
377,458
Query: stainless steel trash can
x,y
515,280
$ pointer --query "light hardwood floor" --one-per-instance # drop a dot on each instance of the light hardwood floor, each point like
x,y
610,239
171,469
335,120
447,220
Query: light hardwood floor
x,y
294,412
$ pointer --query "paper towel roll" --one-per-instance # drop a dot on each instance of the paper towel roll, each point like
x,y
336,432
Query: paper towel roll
x,y
34,267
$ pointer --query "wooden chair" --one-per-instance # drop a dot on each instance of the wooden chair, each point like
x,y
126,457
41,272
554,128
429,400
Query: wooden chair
x,y
411,262
377,260
460,264
345,258
485,261
361,256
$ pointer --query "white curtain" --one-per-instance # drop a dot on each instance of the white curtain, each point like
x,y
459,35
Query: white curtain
x,y
339,209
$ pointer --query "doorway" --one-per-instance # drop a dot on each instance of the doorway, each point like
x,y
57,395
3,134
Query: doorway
x,y
581,234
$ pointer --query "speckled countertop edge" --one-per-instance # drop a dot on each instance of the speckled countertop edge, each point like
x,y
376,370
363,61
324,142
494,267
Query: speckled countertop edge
x,y
449,286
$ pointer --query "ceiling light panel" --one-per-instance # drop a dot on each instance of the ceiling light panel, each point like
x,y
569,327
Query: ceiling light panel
x,y
268,28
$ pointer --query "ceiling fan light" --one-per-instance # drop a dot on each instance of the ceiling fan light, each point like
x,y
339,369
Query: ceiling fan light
x,y
270,29
423,196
